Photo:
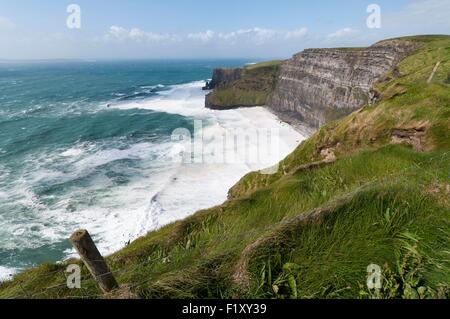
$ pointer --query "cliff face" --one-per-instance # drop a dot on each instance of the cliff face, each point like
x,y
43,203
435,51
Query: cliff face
x,y
242,87
318,85
223,77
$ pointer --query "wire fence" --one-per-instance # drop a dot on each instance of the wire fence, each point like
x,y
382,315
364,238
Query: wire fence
x,y
89,281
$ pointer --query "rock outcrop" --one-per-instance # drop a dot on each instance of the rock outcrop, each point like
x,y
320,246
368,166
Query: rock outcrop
x,y
242,87
223,77
318,85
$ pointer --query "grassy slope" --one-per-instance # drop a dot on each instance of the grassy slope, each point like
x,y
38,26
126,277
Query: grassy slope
x,y
378,203
252,89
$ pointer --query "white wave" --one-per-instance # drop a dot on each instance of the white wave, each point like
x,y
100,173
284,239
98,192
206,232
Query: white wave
x,y
159,86
103,157
73,152
117,214
184,99
7,273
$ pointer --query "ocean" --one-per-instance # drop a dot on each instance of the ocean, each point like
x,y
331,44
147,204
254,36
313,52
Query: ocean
x,y
91,145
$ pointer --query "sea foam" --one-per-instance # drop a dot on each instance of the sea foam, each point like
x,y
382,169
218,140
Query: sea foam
x,y
6,273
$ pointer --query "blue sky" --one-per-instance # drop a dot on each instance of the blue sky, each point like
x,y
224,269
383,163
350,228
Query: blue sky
x,y
114,29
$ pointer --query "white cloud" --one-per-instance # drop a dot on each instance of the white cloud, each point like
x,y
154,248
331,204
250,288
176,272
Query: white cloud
x,y
117,32
341,34
202,36
296,34
256,35
138,35
254,41
6,23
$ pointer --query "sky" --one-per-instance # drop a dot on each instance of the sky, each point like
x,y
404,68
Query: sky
x,y
174,29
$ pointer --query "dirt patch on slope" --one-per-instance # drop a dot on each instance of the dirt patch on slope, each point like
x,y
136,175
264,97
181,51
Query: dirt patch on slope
x,y
413,136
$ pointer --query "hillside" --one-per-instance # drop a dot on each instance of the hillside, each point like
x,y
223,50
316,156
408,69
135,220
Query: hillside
x,y
370,188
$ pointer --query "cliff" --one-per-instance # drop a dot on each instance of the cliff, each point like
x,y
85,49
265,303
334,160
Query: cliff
x,y
318,85
242,87
223,77
312,88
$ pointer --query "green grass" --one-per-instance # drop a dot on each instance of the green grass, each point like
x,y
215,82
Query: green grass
x,y
377,203
253,89
332,255
233,97
273,63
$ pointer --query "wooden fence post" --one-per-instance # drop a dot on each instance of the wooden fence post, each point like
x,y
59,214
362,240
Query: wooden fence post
x,y
433,72
93,260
